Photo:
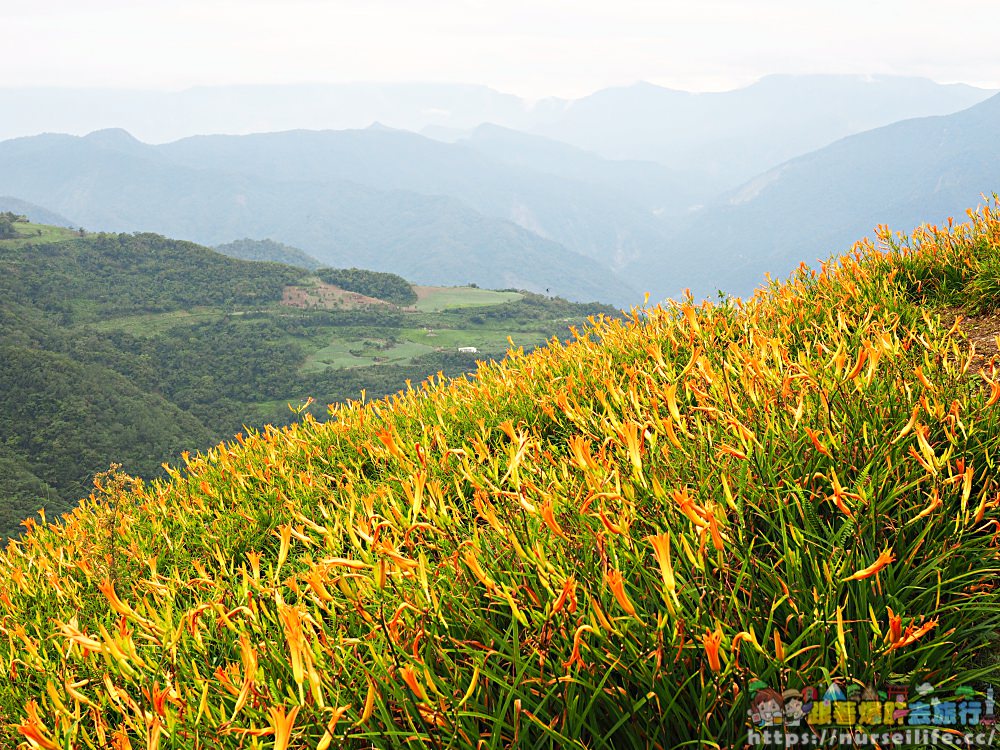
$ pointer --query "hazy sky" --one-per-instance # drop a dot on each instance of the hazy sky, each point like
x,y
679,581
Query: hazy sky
x,y
529,47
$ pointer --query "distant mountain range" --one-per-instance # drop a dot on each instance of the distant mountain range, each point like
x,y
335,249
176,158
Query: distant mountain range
x,y
726,137
905,174
583,202
305,189
503,208
732,135
161,116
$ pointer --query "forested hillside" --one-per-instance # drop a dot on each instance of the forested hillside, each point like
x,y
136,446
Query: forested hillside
x,y
131,348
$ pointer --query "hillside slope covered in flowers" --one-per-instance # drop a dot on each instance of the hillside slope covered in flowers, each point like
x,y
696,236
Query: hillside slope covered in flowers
x,y
604,543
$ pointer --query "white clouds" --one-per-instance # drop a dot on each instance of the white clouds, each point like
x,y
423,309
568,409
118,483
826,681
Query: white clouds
x,y
531,47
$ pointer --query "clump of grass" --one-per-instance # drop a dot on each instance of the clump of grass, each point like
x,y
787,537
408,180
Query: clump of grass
x,y
600,544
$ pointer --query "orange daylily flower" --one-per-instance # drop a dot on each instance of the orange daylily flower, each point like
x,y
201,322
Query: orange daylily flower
x,y
617,585
713,528
691,318
409,676
661,551
291,622
895,626
725,449
862,358
885,557
315,581
107,588
32,729
632,435
575,657
923,379
282,724
779,647
689,508
913,634
568,594
743,635
81,639
994,392
343,562
331,727
932,506
369,707
609,525
158,697
548,516
816,443
393,554
670,393
839,494
712,641
908,427
254,559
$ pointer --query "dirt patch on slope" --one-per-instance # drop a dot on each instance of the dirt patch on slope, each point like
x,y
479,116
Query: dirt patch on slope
x,y
981,330
423,292
328,297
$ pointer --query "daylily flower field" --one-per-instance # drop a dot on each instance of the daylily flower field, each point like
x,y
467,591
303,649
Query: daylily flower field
x,y
599,544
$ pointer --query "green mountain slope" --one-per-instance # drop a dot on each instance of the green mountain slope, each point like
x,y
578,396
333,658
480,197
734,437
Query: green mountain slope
x,y
128,348
66,420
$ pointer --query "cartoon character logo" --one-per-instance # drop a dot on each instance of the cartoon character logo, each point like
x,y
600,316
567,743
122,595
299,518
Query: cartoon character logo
x,y
766,708
795,707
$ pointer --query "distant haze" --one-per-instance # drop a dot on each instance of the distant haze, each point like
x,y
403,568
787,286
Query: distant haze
x,y
531,48
640,121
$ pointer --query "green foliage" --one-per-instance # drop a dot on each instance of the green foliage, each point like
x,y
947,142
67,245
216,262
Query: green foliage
x,y
384,286
7,221
64,419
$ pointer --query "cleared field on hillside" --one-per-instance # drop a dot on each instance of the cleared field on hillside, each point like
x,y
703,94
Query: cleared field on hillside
x,y
437,298
38,233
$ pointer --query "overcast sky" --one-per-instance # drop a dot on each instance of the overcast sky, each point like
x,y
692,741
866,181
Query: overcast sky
x,y
528,47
